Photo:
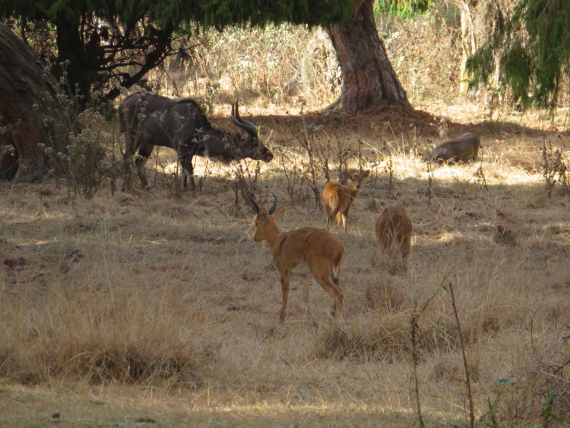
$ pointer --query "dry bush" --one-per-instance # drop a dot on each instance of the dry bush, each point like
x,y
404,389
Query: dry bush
x,y
427,74
251,63
555,168
95,330
292,63
537,389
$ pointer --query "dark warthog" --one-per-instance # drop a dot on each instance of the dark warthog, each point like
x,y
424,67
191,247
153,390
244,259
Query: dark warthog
x,y
150,120
461,149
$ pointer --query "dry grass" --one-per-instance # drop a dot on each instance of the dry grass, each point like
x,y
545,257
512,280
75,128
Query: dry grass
x,y
172,294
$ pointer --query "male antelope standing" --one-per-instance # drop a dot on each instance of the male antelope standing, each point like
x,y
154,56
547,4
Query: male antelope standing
x,y
338,198
295,251
150,120
394,234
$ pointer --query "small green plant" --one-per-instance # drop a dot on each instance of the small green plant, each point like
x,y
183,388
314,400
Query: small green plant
x,y
490,416
80,165
548,414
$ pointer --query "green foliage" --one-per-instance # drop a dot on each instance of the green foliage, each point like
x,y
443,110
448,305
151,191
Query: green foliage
x,y
402,7
218,13
535,47
222,13
518,72
547,414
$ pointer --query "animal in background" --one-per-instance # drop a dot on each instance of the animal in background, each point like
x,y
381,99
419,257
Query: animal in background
x,y
297,251
461,149
150,120
394,234
337,198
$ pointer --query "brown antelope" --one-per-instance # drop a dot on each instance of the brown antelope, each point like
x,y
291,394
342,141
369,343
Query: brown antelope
x,y
297,251
394,234
338,198
461,149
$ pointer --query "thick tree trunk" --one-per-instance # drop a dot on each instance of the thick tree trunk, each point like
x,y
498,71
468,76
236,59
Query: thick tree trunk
x,y
80,62
26,94
368,77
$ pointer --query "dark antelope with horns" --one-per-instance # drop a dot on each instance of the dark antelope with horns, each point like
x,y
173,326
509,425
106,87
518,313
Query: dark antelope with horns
x,y
299,252
150,120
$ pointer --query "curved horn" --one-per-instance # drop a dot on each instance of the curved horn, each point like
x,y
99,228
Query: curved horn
x,y
254,202
272,209
250,128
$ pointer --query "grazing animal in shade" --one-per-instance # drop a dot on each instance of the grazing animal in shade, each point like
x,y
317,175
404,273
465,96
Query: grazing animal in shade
x,y
461,149
150,120
297,251
394,234
338,198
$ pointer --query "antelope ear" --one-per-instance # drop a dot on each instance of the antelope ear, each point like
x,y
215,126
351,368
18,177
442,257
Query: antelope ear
x,y
365,174
346,175
279,213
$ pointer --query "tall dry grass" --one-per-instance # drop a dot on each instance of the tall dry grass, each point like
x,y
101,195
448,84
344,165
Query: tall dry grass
x,y
149,290
297,65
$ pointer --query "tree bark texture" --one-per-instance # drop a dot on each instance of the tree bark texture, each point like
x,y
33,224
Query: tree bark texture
x,y
26,103
468,41
368,77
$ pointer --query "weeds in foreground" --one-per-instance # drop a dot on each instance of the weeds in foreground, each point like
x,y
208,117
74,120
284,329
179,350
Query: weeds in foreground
x,y
465,365
313,160
555,169
81,146
244,177
416,336
540,388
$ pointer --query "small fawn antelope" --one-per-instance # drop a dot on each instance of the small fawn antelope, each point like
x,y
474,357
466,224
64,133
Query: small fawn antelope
x,y
295,251
338,198
394,234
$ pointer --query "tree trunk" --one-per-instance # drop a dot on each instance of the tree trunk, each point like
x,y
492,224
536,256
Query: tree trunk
x,y
478,19
368,77
26,106
80,62
468,41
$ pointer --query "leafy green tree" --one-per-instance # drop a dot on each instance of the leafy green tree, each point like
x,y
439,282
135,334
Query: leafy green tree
x,y
101,44
532,48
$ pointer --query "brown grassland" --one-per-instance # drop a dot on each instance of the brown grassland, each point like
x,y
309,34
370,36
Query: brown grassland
x,y
156,308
